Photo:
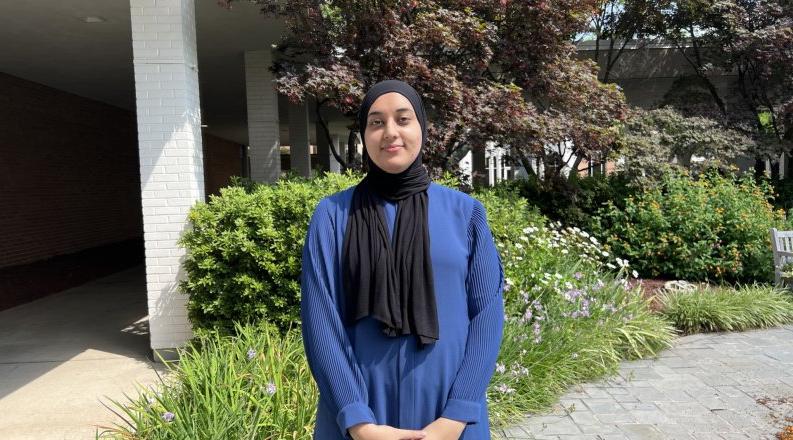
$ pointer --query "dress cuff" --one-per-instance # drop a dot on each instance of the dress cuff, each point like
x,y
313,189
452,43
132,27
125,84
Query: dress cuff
x,y
467,411
352,415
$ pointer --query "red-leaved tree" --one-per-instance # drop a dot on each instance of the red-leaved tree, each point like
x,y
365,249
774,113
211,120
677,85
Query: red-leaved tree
x,y
500,71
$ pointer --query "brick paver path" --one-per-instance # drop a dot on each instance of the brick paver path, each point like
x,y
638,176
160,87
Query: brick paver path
x,y
708,386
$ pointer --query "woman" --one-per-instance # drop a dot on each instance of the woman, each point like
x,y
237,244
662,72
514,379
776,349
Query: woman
x,y
402,310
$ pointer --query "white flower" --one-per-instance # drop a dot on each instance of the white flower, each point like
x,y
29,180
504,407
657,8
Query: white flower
x,y
564,251
605,254
500,368
503,388
635,274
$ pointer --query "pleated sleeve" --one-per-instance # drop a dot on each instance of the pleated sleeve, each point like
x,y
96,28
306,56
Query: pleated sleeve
x,y
328,349
484,285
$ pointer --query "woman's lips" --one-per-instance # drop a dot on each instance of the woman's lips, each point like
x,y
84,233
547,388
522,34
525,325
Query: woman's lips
x,y
393,148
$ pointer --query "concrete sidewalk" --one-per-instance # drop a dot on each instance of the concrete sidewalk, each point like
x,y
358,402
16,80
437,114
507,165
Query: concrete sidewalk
x,y
62,355
708,386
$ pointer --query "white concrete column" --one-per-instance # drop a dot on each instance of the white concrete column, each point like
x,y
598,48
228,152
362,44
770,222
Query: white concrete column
x,y
170,151
341,147
358,145
299,154
262,107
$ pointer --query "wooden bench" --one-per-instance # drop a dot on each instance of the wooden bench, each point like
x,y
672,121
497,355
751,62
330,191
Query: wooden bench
x,y
782,246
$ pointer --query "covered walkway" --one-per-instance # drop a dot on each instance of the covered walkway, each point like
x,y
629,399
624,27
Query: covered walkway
x,y
63,355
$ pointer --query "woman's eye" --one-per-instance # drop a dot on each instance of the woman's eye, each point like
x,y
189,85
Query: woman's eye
x,y
404,119
374,122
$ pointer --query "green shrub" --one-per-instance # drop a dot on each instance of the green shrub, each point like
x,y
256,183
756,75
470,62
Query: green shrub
x,y
244,248
256,384
783,198
710,227
717,309
572,201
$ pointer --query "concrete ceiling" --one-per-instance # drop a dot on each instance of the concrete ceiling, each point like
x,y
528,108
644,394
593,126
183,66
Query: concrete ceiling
x,y
48,42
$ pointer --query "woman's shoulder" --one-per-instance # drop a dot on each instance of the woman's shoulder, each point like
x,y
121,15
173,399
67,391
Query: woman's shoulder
x,y
330,207
454,199
336,200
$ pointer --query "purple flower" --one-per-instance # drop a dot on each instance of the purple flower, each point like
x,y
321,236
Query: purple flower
x,y
527,316
572,294
270,388
251,353
578,275
168,416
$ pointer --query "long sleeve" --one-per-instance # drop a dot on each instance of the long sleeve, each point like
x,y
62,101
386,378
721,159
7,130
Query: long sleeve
x,y
484,285
328,350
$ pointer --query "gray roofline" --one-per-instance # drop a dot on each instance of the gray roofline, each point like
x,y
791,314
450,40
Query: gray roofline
x,y
587,45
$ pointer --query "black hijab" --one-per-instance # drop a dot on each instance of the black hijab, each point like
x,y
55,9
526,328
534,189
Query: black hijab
x,y
391,281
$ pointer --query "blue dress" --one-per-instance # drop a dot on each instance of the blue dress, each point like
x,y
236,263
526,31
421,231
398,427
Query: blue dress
x,y
365,376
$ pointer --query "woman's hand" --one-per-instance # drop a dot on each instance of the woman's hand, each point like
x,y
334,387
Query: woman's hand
x,y
444,429
370,431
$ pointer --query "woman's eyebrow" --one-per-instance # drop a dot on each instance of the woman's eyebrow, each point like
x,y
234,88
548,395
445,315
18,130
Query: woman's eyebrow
x,y
399,110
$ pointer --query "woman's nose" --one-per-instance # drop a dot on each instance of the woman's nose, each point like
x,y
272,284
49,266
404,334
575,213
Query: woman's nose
x,y
390,129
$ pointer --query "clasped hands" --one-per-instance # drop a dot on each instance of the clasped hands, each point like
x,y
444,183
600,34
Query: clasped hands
x,y
440,429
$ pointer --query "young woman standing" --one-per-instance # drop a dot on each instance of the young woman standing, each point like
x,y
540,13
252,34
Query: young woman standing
x,y
402,310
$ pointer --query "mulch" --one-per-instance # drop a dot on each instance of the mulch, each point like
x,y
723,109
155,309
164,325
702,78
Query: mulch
x,y
650,288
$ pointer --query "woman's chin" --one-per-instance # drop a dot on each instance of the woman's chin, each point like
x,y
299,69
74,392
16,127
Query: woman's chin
x,y
393,166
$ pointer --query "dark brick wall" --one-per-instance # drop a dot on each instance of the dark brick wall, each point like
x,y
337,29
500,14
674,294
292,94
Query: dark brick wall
x,y
70,189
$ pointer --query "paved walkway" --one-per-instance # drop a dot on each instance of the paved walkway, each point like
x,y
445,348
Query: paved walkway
x,y
62,356
708,386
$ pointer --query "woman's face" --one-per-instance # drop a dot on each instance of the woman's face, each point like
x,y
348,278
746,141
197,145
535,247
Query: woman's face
x,y
393,133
